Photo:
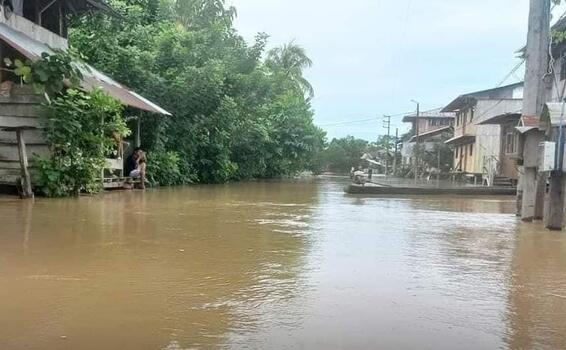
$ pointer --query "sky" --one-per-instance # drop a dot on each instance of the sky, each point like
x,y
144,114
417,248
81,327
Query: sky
x,y
372,57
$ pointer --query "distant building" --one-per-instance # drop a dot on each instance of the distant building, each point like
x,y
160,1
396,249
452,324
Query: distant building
x,y
434,127
485,141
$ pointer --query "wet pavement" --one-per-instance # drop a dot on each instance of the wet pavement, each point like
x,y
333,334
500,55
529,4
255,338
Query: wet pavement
x,y
277,265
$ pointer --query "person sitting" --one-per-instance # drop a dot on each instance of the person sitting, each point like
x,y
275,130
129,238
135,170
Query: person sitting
x,y
136,166
139,171
132,161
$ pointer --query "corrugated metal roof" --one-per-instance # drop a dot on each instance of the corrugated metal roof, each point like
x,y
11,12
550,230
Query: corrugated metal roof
x,y
460,140
92,78
431,114
502,119
462,100
431,133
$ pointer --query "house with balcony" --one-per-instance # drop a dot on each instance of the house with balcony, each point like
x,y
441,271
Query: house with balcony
x,y
29,28
433,128
485,141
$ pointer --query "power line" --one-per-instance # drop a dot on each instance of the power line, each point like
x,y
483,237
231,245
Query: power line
x,y
511,73
347,122
351,122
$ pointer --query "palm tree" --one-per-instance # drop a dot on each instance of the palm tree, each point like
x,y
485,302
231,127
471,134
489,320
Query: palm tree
x,y
202,13
291,59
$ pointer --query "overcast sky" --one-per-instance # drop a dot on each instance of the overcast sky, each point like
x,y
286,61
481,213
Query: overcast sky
x,y
371,57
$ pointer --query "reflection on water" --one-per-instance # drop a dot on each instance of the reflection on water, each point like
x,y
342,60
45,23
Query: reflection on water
x,y
277,265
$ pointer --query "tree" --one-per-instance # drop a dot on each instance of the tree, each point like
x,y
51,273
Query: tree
x,y
290,60
235,115
197,14
343,154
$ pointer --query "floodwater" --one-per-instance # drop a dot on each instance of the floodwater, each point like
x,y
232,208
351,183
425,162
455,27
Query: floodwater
x,y
277,265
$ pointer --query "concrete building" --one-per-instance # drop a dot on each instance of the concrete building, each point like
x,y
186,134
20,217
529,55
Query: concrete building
x,y
485,142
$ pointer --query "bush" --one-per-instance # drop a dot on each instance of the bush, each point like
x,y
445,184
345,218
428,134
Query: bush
x,y
163,169
79,128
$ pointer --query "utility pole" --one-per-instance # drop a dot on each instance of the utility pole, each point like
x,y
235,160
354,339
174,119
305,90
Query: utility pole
x,y
396,150
438,166
387,125
538,41
416,150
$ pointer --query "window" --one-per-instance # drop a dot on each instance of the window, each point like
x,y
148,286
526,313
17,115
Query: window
x,y
456,152
471,149
563,65
511,142
471,114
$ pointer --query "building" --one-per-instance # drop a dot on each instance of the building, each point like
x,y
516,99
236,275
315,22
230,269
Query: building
x,y
433,127
485,143
29,28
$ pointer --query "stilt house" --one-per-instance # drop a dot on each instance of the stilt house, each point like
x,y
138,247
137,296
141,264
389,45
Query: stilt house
x,y
29,28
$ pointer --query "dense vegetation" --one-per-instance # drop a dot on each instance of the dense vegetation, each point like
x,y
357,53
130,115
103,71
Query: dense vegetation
x,y
80,127
342,154
239,112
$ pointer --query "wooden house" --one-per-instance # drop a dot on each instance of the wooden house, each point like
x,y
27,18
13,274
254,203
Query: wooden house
x,y
29,28
434,127
484,141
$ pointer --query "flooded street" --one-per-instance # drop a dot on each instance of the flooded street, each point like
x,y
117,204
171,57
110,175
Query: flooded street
x,y
277,265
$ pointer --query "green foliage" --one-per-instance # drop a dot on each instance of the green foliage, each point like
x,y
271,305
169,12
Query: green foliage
x,y
345,153
290,60
342,154
79,128
235,115
49,74
165,170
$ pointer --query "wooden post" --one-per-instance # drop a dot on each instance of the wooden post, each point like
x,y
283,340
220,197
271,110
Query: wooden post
x,y
26,180
538,40
540,194
138,132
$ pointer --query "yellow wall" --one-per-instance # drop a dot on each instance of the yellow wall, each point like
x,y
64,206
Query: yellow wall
x,y
464,160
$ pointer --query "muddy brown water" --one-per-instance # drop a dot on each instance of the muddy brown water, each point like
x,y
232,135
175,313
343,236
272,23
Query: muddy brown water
x,y
277,265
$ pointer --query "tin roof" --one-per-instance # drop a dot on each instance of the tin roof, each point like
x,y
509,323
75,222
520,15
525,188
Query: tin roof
x,y
431,114
425,135
92,78
502,119
463,100
461,140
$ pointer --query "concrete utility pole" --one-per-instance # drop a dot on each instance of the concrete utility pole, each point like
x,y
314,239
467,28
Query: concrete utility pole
x,y
416,150
387,125
396,150
538,40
